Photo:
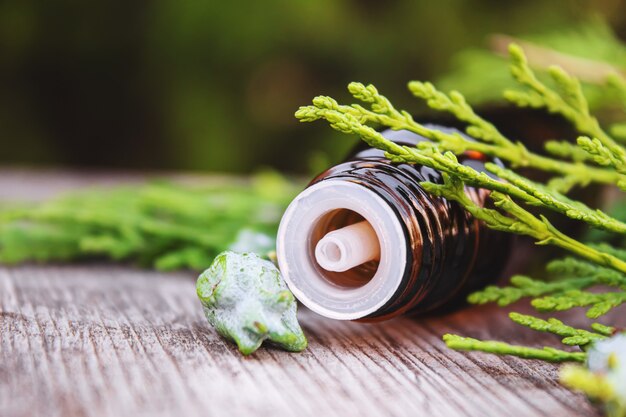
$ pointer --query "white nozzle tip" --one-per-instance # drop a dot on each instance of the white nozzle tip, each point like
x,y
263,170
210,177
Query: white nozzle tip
x,y
348,247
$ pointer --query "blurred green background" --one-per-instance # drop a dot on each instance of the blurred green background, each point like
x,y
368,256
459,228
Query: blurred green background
x,y
212,86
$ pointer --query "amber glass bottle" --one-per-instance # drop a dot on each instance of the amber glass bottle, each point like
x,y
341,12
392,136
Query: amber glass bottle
x,y
419,252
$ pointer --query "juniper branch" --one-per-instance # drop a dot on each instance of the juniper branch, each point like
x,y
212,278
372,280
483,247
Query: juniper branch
x,y
571,335
603,330
569,102
519,221
558,202
564,293
606,247
547,353
572,267
567,150
491,143
598,303
456,176
354,120
497,145
523,287
595,157
169,227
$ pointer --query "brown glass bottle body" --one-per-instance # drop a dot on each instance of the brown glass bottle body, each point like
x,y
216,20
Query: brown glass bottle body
x,y
448,252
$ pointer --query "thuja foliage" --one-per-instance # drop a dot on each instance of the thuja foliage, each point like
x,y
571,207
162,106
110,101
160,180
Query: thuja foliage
x,y
596,157
588,50
165,225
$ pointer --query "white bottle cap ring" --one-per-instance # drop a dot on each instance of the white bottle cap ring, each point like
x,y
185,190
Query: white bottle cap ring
x,y
327,288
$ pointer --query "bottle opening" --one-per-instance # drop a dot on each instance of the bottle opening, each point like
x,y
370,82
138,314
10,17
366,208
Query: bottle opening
x,y
345,248
332,252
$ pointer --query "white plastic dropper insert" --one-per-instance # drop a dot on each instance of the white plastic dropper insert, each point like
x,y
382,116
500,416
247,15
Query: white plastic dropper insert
x,y
348,247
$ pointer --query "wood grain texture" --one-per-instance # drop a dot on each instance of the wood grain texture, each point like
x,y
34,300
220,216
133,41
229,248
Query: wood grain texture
x,y
108,340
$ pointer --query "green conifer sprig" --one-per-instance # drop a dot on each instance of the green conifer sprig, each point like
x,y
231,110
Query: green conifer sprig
x,y
575,275
168,226
342,118
599,153
355,119
575,267
517,219
509,214
595,157
572,336
567,150
608,248
541,96
500,348
521,286
598,303
568,101
603,329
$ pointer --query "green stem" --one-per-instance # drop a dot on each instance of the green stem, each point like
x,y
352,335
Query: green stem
x,y
500,348
587,252
538,228
576,169
519,156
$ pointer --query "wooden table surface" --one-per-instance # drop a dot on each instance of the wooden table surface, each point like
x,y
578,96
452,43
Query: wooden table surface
x,y
110,340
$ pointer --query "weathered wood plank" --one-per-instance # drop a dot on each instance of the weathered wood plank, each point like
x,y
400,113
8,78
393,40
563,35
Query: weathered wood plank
x,y
108,340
